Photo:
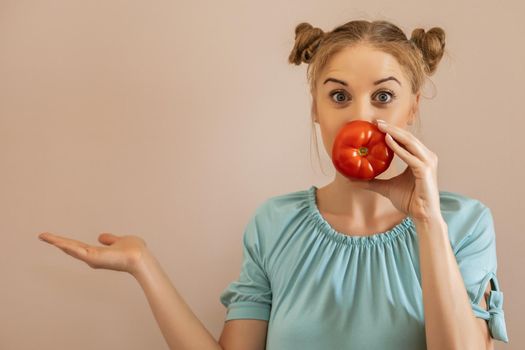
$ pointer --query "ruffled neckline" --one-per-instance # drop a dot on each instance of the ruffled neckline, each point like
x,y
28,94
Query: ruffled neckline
x,y
381,237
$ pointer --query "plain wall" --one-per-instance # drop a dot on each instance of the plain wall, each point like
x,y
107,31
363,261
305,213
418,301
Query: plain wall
x,y
174,120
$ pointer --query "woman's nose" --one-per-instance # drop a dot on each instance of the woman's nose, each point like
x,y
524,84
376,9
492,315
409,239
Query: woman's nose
x,y
363,110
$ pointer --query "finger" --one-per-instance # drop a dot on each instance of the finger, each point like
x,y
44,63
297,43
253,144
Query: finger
x,y
107,238
405,155
73,250
56,239
406,140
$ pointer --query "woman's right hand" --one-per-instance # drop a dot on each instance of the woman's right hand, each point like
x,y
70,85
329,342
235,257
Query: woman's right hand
x,y
120,253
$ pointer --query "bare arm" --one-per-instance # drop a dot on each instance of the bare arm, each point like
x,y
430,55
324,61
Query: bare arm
x,y
245,334
179,325
449,321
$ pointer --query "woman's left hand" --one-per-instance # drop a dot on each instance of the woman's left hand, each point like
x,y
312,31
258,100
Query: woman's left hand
x,y
415,191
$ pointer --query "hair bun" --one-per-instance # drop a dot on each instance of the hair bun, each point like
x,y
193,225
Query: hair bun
x,y
431,44
307,39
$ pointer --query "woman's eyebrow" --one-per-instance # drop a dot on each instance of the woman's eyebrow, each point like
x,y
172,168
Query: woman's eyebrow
x,y
375,82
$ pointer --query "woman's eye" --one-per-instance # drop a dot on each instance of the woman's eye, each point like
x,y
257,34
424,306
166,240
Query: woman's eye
x,y
338,93
340,96
384,96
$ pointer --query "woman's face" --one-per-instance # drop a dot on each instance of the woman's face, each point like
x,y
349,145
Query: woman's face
x,y
351,87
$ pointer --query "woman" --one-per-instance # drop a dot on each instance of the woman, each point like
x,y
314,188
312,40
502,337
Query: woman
x,y
382,264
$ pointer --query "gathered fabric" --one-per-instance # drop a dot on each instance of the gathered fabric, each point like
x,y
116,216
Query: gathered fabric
x,y
322,289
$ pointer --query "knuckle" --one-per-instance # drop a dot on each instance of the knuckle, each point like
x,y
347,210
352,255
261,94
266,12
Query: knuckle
x,y
432,158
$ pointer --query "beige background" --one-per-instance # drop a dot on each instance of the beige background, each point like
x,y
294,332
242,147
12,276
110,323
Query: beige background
x,y
174,120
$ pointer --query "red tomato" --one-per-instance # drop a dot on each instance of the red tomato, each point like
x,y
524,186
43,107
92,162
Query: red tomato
x,y
360,151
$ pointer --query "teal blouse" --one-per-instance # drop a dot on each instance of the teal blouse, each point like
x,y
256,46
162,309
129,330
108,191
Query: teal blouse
x,y
322,289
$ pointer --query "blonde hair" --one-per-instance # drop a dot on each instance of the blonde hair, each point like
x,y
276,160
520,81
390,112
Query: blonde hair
x,y
417,56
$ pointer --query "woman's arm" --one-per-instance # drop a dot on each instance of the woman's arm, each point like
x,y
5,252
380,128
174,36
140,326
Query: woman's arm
x,y
449,320
129,253
179,325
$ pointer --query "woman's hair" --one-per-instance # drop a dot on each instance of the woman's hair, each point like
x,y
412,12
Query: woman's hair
x,y
417,56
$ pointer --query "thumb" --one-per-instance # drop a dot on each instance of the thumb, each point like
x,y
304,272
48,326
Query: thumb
x,y
107,238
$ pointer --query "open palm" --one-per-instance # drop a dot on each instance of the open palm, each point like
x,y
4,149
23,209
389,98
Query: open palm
x,y
120,253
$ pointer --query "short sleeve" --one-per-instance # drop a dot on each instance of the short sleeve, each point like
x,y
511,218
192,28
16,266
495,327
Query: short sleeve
x,y
477,260
250,296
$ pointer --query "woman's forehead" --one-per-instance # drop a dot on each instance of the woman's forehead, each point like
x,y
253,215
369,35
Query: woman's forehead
x,y
362,65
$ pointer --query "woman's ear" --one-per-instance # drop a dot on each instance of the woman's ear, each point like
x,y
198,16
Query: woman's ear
x,y
414,109
314,111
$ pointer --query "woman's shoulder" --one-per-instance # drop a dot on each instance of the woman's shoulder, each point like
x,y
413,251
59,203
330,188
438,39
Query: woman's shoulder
x,y
283,204
463,214
452,202
275,214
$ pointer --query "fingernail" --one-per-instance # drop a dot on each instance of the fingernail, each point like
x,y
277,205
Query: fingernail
x,y
381,121
43,233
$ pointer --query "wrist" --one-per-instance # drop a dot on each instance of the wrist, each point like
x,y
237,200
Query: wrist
x,y
429,217
142,265
434,224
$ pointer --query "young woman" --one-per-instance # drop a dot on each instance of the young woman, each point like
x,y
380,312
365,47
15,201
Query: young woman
x,y
381,264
